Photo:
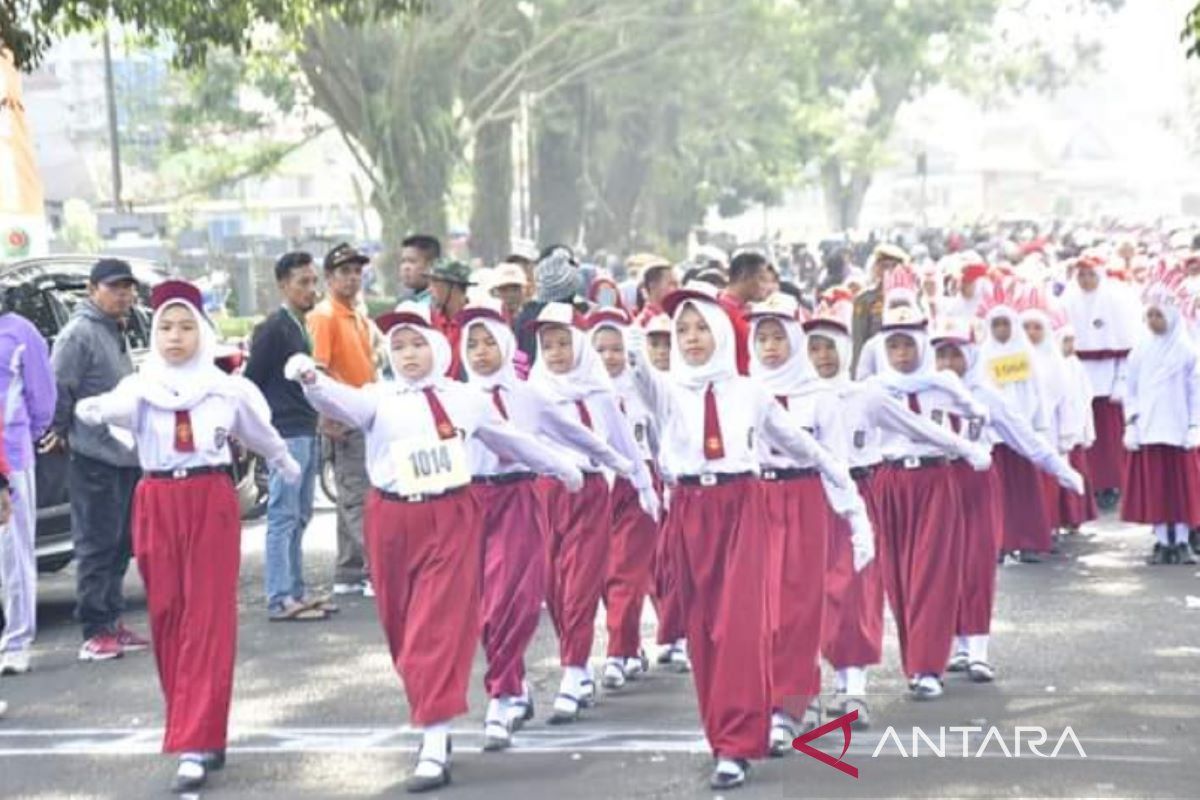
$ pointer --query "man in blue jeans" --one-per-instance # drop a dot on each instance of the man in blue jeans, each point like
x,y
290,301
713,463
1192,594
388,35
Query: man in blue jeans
x,y
289,507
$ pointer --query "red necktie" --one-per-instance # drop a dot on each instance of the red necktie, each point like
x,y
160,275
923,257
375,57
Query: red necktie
x,y
445,428
914,403
621,403
782,400
584,416
185,441
714,445
956,423
498,401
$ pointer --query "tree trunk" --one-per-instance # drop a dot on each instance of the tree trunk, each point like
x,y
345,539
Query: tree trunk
x,y
558,167
491,208
611,225
843,201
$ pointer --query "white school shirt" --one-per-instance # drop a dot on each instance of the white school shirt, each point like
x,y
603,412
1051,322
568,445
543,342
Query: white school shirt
x,y
867,410
1079,426
240,411
1007,425
936,406
746,412
1165,417
611,427
535,413
641,421
387,413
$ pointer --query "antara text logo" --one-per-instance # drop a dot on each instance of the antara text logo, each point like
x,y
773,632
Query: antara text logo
x,y
1024,740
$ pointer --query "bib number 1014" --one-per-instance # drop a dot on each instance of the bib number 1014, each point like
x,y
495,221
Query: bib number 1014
x,y
431,461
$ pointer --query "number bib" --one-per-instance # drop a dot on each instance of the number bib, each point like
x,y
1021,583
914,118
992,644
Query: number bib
x,y
429,465
1010,369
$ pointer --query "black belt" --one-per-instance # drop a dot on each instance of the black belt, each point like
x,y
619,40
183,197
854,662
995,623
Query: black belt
x,y
189,472
392,497
790,474
917,462
503,479
858,473
712,478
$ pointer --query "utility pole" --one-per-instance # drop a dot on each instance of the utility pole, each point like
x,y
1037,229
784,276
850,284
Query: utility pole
x,y
114,146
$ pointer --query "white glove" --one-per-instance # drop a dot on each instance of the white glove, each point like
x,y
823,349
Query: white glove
x,y
980,458
622,465
573,480
862,540
648,500
289,469
300,367
1192,440
88,411
1065,444
1072,481
837,473
1131,438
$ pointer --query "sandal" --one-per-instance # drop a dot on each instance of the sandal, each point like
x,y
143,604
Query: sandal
x,y
297,612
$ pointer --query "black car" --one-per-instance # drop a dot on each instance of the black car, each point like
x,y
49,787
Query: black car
x,y
45,291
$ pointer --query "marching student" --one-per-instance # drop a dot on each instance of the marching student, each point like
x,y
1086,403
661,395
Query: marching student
x,y
6,509
1105,320
852,631
717,537
921,523
800,512
569,371
513,518
985,506
1007,364
1162,424
422,524
187,528
1070,510
635,534
671,639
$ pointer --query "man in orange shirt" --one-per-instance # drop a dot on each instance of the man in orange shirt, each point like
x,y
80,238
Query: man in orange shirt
x,y
341,345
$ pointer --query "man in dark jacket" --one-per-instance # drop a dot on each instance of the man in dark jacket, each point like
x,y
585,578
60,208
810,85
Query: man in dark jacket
x,y
90,357
290,505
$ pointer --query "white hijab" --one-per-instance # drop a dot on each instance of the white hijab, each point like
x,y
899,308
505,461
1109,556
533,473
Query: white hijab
x,y
796,375
441,359
174,387
1159,358
1048,359
623,383
926,377
506,375
843,345
587,374
1025,394
1111,306
721,365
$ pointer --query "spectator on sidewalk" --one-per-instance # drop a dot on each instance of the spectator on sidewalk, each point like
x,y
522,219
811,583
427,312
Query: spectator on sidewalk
x,y
418,254
289,505
90,357
341,347
27,387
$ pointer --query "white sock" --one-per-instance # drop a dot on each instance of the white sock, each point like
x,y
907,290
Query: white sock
x,y
496,710
681,646
977,647
782,719
1181,533
856,681
960,644
1163,532
572,680
839,681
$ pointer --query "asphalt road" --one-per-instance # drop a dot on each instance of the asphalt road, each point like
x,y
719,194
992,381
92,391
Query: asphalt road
x,y
1094,641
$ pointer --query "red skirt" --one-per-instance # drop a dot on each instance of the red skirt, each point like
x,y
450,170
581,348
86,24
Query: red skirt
x,y
187,538
426,566
1162,484
981,494
630,564
798,518
1065,508
1107,455
852,632
1026,525
717,550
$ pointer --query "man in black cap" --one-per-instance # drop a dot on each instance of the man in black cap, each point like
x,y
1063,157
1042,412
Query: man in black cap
x,y
90,357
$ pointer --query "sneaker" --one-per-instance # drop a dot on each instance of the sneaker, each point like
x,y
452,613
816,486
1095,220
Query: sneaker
x,y
812,716
927,687
783,731
981,672
637,666
958,662
679,658
614,674
347,588
729,774
101,647
368,589
496,732
15,662
863,722
131,642
520,710
1158,555
1184,554
191,775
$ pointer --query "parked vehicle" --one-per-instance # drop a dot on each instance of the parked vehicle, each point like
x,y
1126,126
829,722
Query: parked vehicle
x,y
45,291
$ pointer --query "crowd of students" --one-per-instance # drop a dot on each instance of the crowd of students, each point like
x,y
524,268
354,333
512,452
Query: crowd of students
x,y
723,449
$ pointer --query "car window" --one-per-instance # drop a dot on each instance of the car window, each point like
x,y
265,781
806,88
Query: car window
x,y
47,313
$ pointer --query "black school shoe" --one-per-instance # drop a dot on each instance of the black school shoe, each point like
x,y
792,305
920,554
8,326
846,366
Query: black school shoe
x,y
416,784
192,775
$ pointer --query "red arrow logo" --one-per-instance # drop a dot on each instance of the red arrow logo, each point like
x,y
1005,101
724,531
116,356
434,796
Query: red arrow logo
x,y
800,743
